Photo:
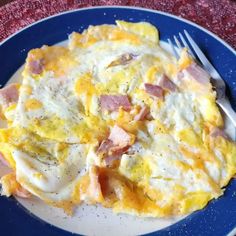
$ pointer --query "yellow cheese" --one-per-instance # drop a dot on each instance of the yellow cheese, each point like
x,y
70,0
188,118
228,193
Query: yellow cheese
x,y
143,29
32,104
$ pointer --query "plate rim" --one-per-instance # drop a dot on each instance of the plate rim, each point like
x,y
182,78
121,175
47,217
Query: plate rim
x,y
223,42
122,7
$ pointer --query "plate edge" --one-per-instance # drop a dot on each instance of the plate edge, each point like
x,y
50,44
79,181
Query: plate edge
x,y
124,7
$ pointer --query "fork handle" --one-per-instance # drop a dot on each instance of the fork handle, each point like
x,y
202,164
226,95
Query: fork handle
x,y
226,107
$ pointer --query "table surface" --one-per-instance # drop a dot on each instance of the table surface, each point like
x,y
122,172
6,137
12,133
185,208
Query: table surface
x,y
218,16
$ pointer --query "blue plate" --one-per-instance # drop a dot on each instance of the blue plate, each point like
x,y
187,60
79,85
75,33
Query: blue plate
x,y
219,217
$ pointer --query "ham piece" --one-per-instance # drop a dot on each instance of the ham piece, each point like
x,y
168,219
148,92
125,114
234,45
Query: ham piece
x,y
10,186
95,187
215,132
117,143
154,90
36,66
142,113
197,73
9,94
22,193
114,102
3,160
167,84
119,137
105,146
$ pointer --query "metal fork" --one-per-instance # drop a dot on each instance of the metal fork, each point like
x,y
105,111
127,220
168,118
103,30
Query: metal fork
x,y
216,80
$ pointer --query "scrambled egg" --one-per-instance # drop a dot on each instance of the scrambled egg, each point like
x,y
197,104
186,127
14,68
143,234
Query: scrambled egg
x,y
172,166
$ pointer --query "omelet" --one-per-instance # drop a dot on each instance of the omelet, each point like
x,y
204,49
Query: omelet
x,y
113,119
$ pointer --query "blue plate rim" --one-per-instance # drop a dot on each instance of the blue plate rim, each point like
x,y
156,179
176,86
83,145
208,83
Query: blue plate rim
x,y
229,47
122,7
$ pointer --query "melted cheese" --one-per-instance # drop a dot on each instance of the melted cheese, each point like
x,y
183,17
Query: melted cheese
x,y
173,165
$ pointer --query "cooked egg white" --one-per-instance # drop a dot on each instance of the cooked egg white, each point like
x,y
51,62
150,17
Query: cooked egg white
x,y
174,166
46,168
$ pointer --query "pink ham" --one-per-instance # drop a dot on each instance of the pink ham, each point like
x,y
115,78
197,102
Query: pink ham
x,y
9,94
119,137
105,146
95,190
180,75
154,90
10,186
112,153
114,102
119,150
215,132
118,142
3,160
36,66
115,154
110,160
198,74
167,84
22,193
142,113
108,146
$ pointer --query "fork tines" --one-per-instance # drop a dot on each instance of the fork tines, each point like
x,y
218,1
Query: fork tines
x,y
181,44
